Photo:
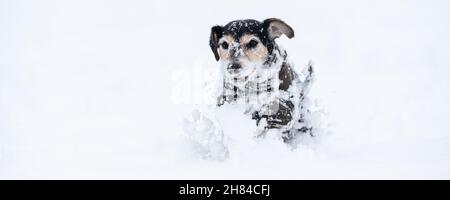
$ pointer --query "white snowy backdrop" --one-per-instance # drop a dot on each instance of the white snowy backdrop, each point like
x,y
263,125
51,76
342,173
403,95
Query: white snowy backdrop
x,y
86,89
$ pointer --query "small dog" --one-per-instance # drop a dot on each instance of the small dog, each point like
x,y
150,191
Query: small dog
x,y
256,73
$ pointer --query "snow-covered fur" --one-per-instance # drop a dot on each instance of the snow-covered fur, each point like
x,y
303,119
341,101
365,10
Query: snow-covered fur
x,y
274,94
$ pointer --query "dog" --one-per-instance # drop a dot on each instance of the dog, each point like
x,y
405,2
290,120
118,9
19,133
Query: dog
x,y
257,73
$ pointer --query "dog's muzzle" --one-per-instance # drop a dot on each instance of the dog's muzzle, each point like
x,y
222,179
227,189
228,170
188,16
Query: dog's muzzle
x,y
234,66
235,53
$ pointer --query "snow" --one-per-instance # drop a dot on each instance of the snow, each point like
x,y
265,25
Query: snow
x,y
101,89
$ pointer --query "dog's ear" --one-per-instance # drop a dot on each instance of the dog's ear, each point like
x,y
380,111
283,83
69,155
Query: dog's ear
x,y
216,34
275,28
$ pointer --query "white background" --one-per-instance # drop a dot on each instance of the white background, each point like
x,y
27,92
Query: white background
x,y
86,89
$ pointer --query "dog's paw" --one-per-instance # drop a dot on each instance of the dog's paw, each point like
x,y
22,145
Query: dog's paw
x,y
205,135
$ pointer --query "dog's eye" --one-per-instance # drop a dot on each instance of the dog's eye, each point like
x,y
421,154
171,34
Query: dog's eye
x,y
224,45
252,44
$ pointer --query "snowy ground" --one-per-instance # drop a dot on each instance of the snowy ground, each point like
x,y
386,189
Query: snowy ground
x,y
90,89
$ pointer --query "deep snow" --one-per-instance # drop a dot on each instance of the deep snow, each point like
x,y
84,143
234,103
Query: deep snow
x,y
99,89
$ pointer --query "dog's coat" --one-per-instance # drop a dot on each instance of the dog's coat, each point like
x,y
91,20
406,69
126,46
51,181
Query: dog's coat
x,y
256,72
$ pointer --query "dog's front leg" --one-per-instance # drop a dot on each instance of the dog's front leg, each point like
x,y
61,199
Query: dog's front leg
x,y
227,96
220,100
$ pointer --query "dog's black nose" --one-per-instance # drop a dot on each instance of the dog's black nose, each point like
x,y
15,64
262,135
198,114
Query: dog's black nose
x,y
234,66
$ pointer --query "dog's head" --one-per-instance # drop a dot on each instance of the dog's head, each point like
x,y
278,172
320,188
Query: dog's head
x,y
243,45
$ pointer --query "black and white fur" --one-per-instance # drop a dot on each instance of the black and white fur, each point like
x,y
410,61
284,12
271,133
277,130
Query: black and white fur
x,y
256,72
